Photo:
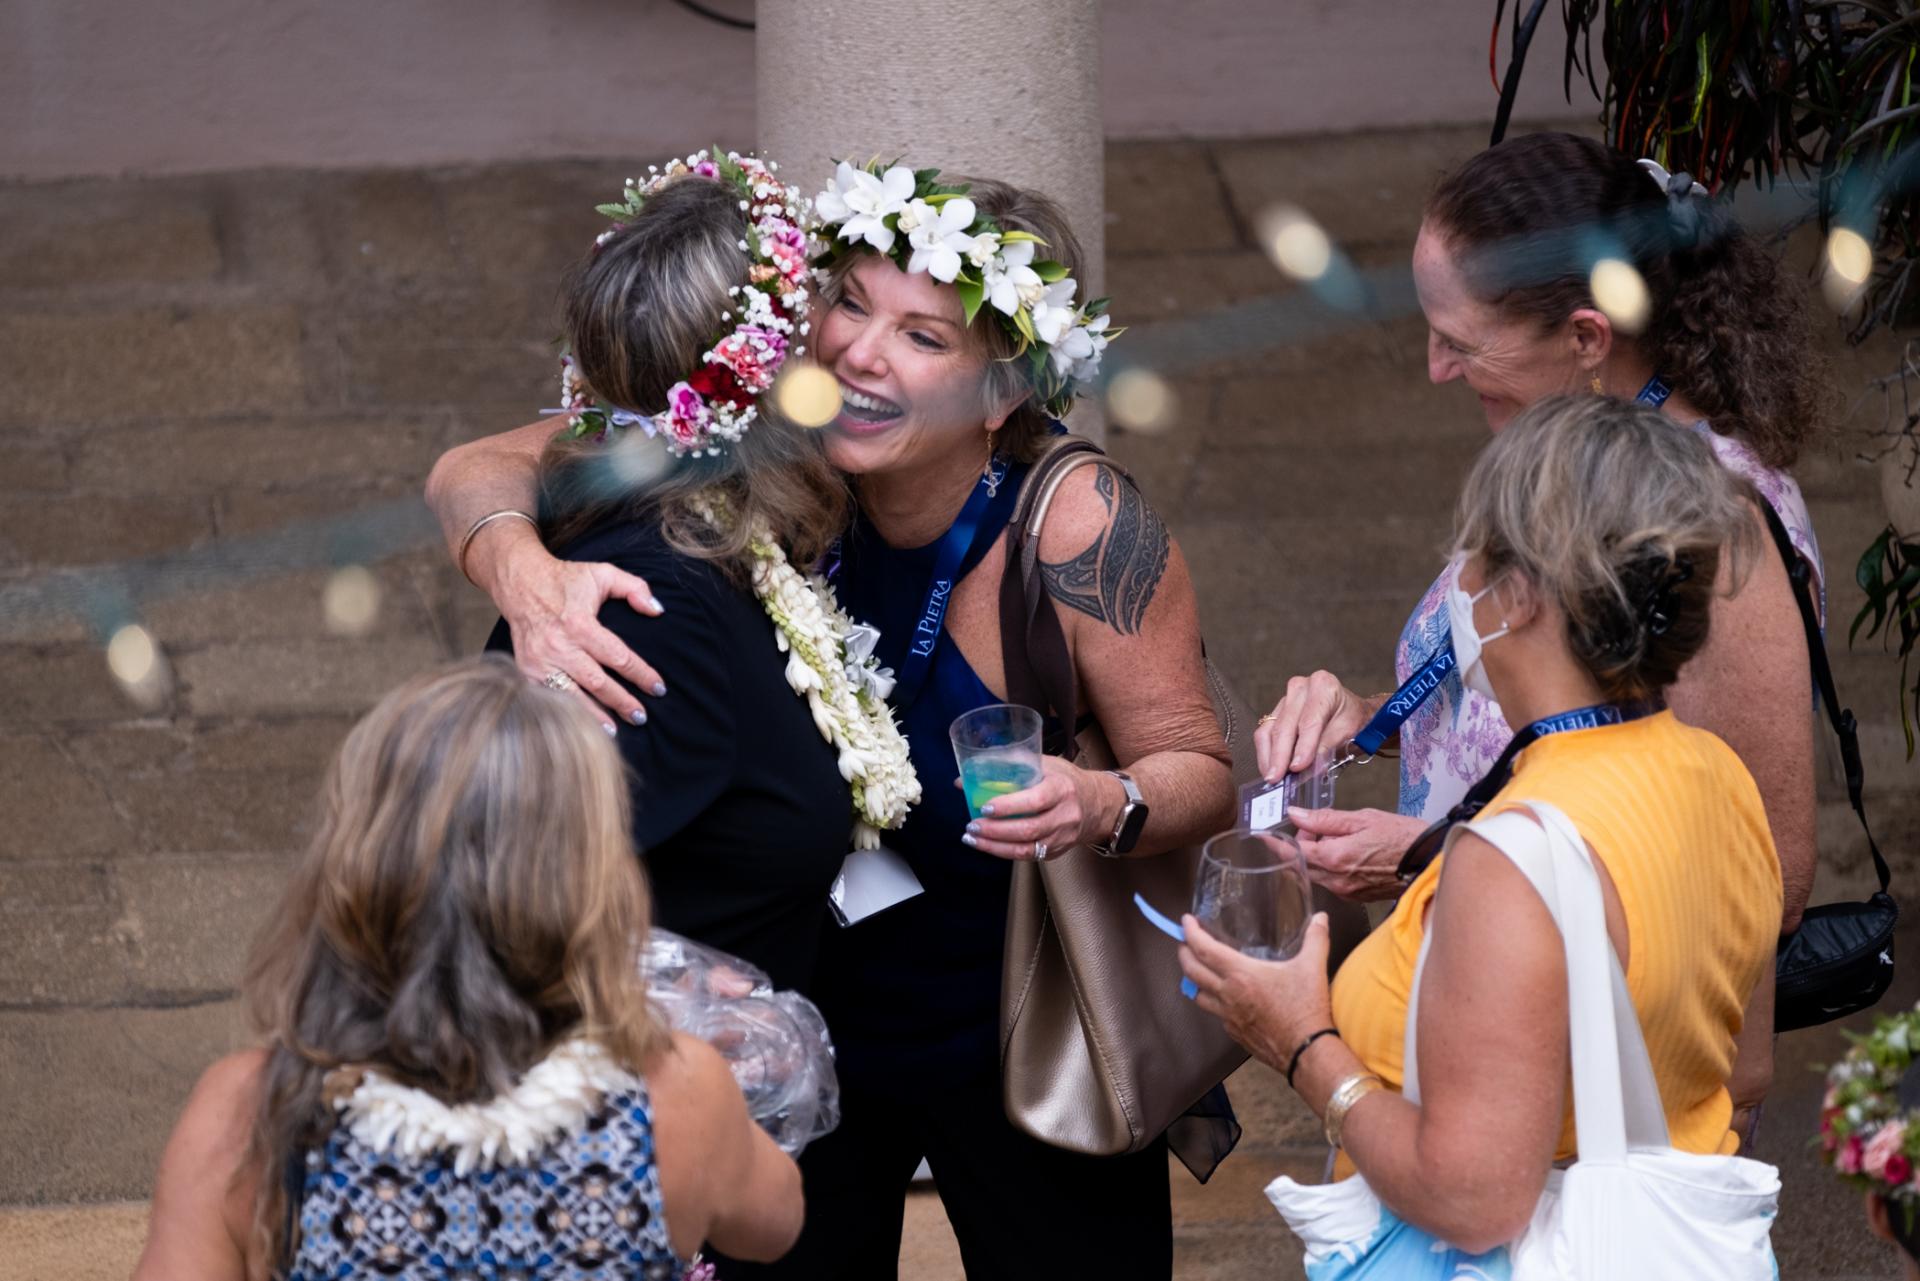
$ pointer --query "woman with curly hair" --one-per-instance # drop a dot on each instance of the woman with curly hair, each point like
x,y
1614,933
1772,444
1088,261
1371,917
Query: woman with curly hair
x,y
1503,266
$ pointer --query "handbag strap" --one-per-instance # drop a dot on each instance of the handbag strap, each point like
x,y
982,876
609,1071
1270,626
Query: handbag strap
x,y
1033,648
1616,1099
1844,726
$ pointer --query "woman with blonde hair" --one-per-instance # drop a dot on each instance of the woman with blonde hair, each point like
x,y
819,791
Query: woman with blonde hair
x,y
1591,542
461,1069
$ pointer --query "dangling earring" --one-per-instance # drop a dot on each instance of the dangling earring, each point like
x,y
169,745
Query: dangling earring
x,y
1598,388
988,476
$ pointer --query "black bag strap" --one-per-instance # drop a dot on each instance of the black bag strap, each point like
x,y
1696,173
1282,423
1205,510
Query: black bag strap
x,y
1844,726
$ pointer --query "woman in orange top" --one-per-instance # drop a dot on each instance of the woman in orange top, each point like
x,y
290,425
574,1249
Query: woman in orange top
x,y
1592,537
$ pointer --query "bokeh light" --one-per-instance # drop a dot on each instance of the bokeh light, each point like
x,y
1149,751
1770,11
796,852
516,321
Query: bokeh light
x,y
1849,267
636,460
1621,293
139,666
1140,400
351,601
807,394
1295,242
1849,255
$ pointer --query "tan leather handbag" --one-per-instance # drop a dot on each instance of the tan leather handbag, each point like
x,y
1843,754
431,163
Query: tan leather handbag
x,y
1100,1053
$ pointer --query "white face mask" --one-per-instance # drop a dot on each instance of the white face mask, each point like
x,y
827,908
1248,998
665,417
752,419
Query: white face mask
x,y
1467,642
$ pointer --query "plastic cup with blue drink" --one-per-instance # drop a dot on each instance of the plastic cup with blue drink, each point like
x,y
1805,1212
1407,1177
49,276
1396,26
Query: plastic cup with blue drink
x,y
998,750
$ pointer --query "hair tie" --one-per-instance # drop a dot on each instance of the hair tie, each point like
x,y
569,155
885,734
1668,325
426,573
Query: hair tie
x,y
1658,608
1683,211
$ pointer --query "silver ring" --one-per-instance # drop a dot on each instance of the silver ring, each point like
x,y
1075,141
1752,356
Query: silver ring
x,y
559,680
1039,851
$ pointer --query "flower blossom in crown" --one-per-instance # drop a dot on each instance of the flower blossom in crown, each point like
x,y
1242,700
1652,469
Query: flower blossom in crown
x,y
924,225
1867,1134
714,405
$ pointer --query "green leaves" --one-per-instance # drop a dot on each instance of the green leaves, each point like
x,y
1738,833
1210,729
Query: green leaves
x,y
972,294
1051,272
1889,574
613,211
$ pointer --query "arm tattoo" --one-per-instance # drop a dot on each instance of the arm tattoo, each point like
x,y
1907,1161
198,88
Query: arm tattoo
x,y
1113,580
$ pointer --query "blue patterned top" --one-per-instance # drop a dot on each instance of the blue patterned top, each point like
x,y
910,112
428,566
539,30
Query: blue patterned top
x,y
589,1210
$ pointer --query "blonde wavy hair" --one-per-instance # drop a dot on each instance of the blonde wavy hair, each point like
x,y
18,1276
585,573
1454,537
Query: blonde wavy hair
x,y
471,898
1618,516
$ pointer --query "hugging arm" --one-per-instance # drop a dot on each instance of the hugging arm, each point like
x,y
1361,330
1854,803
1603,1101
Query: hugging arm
x,y
550,605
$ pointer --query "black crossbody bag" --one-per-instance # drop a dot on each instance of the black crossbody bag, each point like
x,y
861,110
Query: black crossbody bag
x,y
1840,960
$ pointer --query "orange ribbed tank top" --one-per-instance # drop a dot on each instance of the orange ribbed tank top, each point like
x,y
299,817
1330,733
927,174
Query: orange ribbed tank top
x,y
1678,823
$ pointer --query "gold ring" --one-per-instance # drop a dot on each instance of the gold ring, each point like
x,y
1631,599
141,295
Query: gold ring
x,y
1268,719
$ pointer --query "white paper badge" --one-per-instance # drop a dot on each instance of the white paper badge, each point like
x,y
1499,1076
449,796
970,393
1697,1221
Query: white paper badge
x,y
871,881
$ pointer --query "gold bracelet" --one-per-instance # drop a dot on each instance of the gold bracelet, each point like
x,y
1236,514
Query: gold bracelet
x,y
1349,1092
482,523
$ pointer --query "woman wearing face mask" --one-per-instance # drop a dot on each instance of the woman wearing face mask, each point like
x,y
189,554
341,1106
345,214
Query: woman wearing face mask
x,y
1502,266
1590,537
944,407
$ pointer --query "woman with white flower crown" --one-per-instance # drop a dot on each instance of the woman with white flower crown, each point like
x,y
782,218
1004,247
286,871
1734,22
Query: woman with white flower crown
x,y
952,319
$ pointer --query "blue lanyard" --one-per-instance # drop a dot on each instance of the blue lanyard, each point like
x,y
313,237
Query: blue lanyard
x,y
954,546
1403,702
1427,846
1655,393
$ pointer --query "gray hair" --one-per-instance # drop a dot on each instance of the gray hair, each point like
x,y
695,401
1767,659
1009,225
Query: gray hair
x,y
1619,517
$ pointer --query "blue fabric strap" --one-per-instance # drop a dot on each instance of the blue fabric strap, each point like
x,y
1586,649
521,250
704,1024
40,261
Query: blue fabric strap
x,y
954,546
1655,393
1403,702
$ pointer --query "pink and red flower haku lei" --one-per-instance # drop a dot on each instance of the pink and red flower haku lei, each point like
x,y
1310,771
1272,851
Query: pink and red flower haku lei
x,y
713,406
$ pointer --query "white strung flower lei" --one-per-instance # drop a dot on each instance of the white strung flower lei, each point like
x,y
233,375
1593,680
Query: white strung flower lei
x,y
557,1097
830,663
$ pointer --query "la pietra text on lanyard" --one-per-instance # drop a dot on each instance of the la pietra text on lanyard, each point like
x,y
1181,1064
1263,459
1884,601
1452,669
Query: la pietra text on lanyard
x,y
1419,687
947,559
1427,846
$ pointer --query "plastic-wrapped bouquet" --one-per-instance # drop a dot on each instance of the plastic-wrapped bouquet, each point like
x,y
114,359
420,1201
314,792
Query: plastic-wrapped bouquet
x,y
775,1042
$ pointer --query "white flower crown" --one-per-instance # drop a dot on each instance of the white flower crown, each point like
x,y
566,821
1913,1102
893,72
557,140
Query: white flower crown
x,y
909,216
714,406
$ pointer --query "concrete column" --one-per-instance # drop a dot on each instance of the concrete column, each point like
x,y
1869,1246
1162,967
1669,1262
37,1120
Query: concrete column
x,y
1006,89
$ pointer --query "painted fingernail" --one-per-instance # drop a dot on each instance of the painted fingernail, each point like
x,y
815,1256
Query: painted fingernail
x,y
613,731
658,608
638,716
974,826
987,810
659,689
966,838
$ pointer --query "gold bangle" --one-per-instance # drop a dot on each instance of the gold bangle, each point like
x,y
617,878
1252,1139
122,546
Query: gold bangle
x,y
461,558
1349,1092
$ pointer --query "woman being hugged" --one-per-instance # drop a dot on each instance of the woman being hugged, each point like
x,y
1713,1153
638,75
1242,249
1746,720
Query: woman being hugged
x,y
1589,541
781,753
952,319
461,1068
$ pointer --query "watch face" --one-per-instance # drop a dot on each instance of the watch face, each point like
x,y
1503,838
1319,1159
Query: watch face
x,y
1131,827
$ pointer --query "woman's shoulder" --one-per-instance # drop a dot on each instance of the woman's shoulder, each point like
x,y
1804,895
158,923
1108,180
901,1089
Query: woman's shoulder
x,y
1103,549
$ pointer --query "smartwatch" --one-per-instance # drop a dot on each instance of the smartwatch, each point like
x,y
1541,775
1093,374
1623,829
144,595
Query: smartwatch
x,y
1133,819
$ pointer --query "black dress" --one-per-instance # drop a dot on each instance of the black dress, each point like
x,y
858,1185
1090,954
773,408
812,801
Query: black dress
x,y
739,810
